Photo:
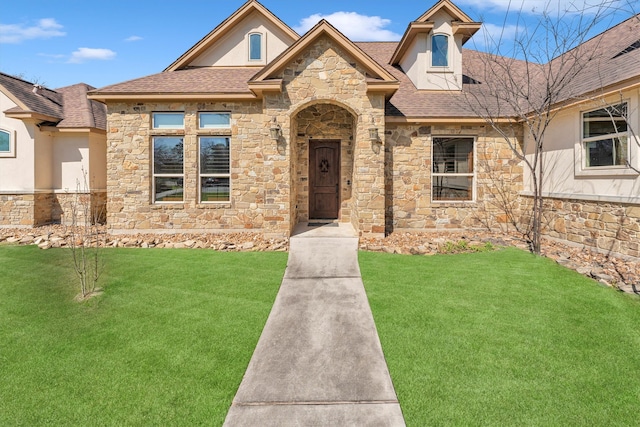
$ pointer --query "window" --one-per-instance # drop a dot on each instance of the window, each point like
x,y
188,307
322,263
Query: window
x,y
255,47
168,169
168,120
215,182
214,120
7,143
439,50
452,177
605,137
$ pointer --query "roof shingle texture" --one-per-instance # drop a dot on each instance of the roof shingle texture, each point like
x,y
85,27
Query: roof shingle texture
x,y
68,105
482,73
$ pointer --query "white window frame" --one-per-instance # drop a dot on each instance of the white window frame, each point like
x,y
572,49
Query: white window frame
x,y
473,175
166,113
584,141
431,56
214,126
213,175
262,46
155,175
12,143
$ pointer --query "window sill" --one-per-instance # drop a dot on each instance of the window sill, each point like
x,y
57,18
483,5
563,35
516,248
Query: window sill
x,y
606,173
167,132
214,205
441,203
168,206
214,132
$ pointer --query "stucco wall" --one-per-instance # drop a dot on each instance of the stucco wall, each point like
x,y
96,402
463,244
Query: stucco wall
x,y
17,173
233,48
565,175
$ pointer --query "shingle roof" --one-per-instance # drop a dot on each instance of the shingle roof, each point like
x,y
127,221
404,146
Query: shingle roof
x,y
614,60
190,80
79,111
607,67
47,102
68,105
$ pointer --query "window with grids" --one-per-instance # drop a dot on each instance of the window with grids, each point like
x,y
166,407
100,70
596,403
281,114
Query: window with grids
x,y
215,177
605,136
452,177
168,169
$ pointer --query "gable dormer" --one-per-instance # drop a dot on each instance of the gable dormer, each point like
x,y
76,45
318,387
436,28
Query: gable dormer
x,y
430,52
252,36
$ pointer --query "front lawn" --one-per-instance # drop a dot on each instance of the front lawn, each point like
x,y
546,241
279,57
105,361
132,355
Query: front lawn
x,y
504,338
167,343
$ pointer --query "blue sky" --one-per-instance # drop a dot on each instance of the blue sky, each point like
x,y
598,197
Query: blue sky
x,y
106,42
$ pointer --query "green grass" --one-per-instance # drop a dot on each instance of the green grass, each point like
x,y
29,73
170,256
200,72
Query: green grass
x,y
504,338
166,344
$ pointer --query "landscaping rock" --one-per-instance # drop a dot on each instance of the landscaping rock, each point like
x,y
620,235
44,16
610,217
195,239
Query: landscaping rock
x,y
624,273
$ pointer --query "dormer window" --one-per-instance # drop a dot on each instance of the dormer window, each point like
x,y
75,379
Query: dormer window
x,y
255,47
439,50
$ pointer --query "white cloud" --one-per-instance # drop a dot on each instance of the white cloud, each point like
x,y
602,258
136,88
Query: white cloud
x,y
353,25
17,33
87,54
133,39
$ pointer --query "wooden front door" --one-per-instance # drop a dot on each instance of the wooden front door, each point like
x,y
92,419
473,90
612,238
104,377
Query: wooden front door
x,y
324,179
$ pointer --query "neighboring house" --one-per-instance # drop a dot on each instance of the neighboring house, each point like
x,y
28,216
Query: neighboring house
x,y
49,141
258,128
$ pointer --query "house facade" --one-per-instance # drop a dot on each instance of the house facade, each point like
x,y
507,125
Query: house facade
x,y
257,128
52,151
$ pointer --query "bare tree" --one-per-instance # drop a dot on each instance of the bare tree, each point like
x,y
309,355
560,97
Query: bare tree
x,y
528,85
86,239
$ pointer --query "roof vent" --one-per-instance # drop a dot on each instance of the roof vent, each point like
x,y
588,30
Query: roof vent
x,y
632,47
36,89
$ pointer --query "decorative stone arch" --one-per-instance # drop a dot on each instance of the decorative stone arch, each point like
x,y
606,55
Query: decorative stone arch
x,y
314,120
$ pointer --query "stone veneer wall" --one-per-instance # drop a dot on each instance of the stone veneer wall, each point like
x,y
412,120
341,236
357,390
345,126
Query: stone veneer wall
x,y
17,209
258,171
605,227
499,179
323,121
94,202
30,210
326,74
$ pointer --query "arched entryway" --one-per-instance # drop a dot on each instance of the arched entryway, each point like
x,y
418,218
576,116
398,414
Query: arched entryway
x,y
322,162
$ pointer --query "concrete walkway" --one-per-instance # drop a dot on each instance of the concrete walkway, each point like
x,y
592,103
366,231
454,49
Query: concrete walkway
x,y
318,361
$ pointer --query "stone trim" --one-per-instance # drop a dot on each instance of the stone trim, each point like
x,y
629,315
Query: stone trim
x,y
587,197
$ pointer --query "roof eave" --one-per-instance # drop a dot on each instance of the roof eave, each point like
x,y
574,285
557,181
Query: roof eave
x,y
259,87
467,29
444,120
137,96
31,115
93,130
410,34
388,88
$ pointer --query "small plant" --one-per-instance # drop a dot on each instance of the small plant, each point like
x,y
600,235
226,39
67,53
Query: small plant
x,y
85,240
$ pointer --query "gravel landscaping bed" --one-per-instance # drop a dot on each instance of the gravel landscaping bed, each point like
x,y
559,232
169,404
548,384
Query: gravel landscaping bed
x,y
622,274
